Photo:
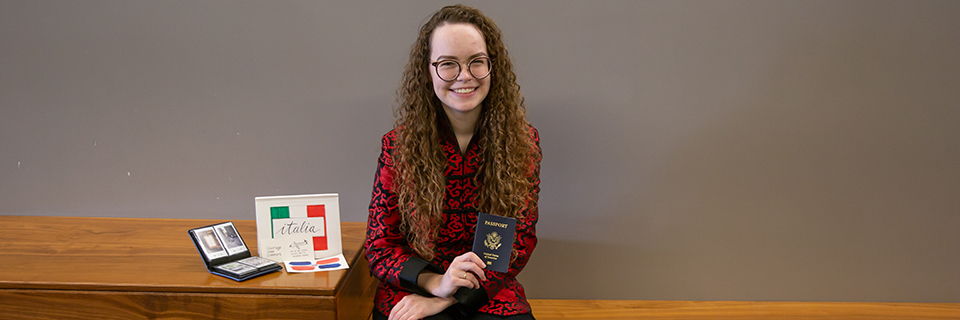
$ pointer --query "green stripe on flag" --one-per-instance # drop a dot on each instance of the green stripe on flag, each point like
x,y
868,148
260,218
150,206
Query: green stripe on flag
x,y
278,213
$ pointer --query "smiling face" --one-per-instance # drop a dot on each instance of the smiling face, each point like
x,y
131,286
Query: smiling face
x,y
461,42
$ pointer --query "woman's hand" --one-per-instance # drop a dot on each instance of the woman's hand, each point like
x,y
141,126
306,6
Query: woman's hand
x,y
415,306
466,270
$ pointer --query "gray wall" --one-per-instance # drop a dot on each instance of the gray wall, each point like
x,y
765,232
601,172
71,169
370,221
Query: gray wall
x,y
693,150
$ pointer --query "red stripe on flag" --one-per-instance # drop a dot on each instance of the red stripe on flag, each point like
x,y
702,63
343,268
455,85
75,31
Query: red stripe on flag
x,y
318,211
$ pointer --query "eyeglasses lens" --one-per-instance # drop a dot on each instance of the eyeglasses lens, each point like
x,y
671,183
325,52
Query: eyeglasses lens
x,y
449,70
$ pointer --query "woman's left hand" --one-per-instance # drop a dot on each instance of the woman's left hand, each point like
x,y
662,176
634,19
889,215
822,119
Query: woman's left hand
x,y
466,270
415,306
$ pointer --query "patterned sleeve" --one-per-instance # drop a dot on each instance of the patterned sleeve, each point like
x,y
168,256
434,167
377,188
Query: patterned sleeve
x,y
391,258
526,241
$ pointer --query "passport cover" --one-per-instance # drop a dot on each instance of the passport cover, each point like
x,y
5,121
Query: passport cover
x,y
493,240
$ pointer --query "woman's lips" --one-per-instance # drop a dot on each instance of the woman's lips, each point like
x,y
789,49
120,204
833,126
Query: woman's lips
x,y
464,90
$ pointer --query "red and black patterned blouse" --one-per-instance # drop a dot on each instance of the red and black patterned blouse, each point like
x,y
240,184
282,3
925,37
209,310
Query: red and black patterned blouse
x,y
394,263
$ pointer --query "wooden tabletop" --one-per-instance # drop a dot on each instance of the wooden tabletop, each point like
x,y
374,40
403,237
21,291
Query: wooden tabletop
x,y
132,254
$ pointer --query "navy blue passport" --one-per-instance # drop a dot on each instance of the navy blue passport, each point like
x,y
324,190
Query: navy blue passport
x,y
493,241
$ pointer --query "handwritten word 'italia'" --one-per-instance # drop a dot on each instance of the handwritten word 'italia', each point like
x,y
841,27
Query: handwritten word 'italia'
x,y
296,228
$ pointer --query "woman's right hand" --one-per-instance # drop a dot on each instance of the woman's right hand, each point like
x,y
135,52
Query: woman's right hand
x,y
466,270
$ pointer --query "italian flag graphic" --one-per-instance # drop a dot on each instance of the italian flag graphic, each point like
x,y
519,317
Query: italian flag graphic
x,y
304,211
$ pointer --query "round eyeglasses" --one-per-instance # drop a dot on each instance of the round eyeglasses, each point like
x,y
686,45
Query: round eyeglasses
x,y
449,70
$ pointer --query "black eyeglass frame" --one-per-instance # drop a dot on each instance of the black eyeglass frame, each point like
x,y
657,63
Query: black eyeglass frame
x,y
436,68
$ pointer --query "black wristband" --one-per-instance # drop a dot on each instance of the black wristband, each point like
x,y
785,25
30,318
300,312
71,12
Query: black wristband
x,y
470,300
410,272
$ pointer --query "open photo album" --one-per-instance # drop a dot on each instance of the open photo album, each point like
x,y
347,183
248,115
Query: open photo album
x,y
225,254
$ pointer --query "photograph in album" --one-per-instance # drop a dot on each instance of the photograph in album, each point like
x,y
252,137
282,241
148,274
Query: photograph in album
x,y
225,254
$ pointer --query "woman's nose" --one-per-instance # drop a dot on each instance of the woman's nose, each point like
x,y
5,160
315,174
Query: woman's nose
x,y
465,74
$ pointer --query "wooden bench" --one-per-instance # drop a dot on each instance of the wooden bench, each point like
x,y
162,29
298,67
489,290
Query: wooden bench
x,y
547,309
125,268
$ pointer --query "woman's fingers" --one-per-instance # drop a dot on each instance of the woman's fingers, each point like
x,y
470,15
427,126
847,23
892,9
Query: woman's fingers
x,y
413,307
467,279
471,262
466,270
473,270
404,310
474,281
395,312
471,257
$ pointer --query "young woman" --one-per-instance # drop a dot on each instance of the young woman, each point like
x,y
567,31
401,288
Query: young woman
x,y
461,145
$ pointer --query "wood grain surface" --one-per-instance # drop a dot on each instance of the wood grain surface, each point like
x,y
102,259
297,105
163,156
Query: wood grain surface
x,y
125,268
630,309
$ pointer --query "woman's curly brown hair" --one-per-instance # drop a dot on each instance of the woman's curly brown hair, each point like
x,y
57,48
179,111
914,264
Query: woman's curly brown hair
x,y
503,134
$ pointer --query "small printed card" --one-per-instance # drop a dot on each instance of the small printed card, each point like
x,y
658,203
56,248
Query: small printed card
x,y
295,237
300,249
312,265
493,241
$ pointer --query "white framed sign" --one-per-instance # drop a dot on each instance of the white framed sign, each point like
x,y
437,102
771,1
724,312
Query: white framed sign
x,y
298,227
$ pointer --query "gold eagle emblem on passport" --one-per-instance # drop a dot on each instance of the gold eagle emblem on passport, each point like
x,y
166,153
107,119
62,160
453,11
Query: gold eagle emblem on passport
x,y
493,241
